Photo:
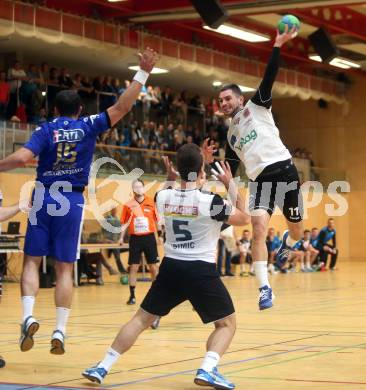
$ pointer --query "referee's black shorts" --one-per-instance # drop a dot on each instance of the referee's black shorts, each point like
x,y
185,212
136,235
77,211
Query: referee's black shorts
x,y
196,281
143,244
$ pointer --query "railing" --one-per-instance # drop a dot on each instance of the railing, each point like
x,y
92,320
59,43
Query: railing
x,y
13,136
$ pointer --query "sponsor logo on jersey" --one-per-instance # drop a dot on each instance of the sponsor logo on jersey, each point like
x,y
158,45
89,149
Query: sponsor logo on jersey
x,y
183,210
72,135
236,121
248,138
246,112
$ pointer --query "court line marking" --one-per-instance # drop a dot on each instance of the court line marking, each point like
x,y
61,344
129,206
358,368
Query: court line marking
x,y
200,357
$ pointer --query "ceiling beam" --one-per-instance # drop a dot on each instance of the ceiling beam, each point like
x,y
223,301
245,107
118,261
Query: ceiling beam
x,y
336,19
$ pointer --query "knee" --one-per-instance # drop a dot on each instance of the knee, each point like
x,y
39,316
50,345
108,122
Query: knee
x,y
259,232
134,268
228,323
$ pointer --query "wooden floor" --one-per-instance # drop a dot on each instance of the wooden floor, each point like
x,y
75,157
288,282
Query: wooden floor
x,y
314,337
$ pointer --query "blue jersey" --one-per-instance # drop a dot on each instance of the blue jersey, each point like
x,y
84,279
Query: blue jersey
x,y
314,242
274,244
65,148
325,235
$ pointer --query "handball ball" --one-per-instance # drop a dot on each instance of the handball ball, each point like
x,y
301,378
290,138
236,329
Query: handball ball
x,y
124,279
289,20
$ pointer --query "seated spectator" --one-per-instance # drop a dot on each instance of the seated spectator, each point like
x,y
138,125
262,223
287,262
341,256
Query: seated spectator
x,y
327,245
4,95
245,248
311,253
273,243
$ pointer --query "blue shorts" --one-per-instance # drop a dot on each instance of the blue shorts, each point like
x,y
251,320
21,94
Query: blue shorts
x,y
55,225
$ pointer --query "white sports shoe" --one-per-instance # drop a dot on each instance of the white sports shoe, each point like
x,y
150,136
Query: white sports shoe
x,y
27,330
57,343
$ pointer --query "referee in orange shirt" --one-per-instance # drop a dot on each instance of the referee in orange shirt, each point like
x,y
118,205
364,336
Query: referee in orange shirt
x,y
140,218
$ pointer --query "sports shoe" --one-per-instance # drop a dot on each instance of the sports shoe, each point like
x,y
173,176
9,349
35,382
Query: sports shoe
x,y
156,323
57,343
265,298
246,274
229,274
95,374
27,331
131,301
283,251
213,379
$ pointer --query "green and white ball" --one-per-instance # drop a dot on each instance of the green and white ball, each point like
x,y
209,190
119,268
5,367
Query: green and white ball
x,y
290,21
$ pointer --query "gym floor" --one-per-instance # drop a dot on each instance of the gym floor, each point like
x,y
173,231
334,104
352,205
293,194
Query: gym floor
x,y
314,337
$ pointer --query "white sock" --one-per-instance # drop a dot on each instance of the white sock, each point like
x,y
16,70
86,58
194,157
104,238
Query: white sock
x,y
28,303
291,242
210,361
62,315
261,273
109,359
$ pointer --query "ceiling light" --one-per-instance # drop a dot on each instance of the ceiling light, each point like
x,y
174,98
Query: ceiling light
x,y
217,83
244,89
338,62
240,33
154,71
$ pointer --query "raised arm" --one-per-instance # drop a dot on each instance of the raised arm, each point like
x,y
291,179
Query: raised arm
x,y
125,102
16,159
8,212
263,96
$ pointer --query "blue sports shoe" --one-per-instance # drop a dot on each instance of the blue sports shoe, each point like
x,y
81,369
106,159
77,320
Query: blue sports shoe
x,y
265,298
213,379
95,374
283,251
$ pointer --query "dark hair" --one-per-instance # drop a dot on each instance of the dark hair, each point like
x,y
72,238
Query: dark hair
x,y
246,231
234,87
68,102
189,162
306,231
314,228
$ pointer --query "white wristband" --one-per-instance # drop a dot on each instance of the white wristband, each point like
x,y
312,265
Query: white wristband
x,y
141,76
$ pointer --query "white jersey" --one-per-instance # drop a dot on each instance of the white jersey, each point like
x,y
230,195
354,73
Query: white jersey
x,y
193,220
255,139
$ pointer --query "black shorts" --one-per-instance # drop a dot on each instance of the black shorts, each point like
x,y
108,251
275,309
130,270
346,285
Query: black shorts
x,y
196,281
143,244
278,185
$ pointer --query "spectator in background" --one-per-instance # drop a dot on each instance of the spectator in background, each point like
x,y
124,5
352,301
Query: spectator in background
x,y
16,76
64,79
4,95
112,237
311,253
273,243
87,94
327,245
44,74
52,90
40,117
31,92
148,101
226,245
245,248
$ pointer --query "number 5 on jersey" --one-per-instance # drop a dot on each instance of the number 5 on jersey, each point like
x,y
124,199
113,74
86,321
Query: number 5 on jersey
x,y
180,233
